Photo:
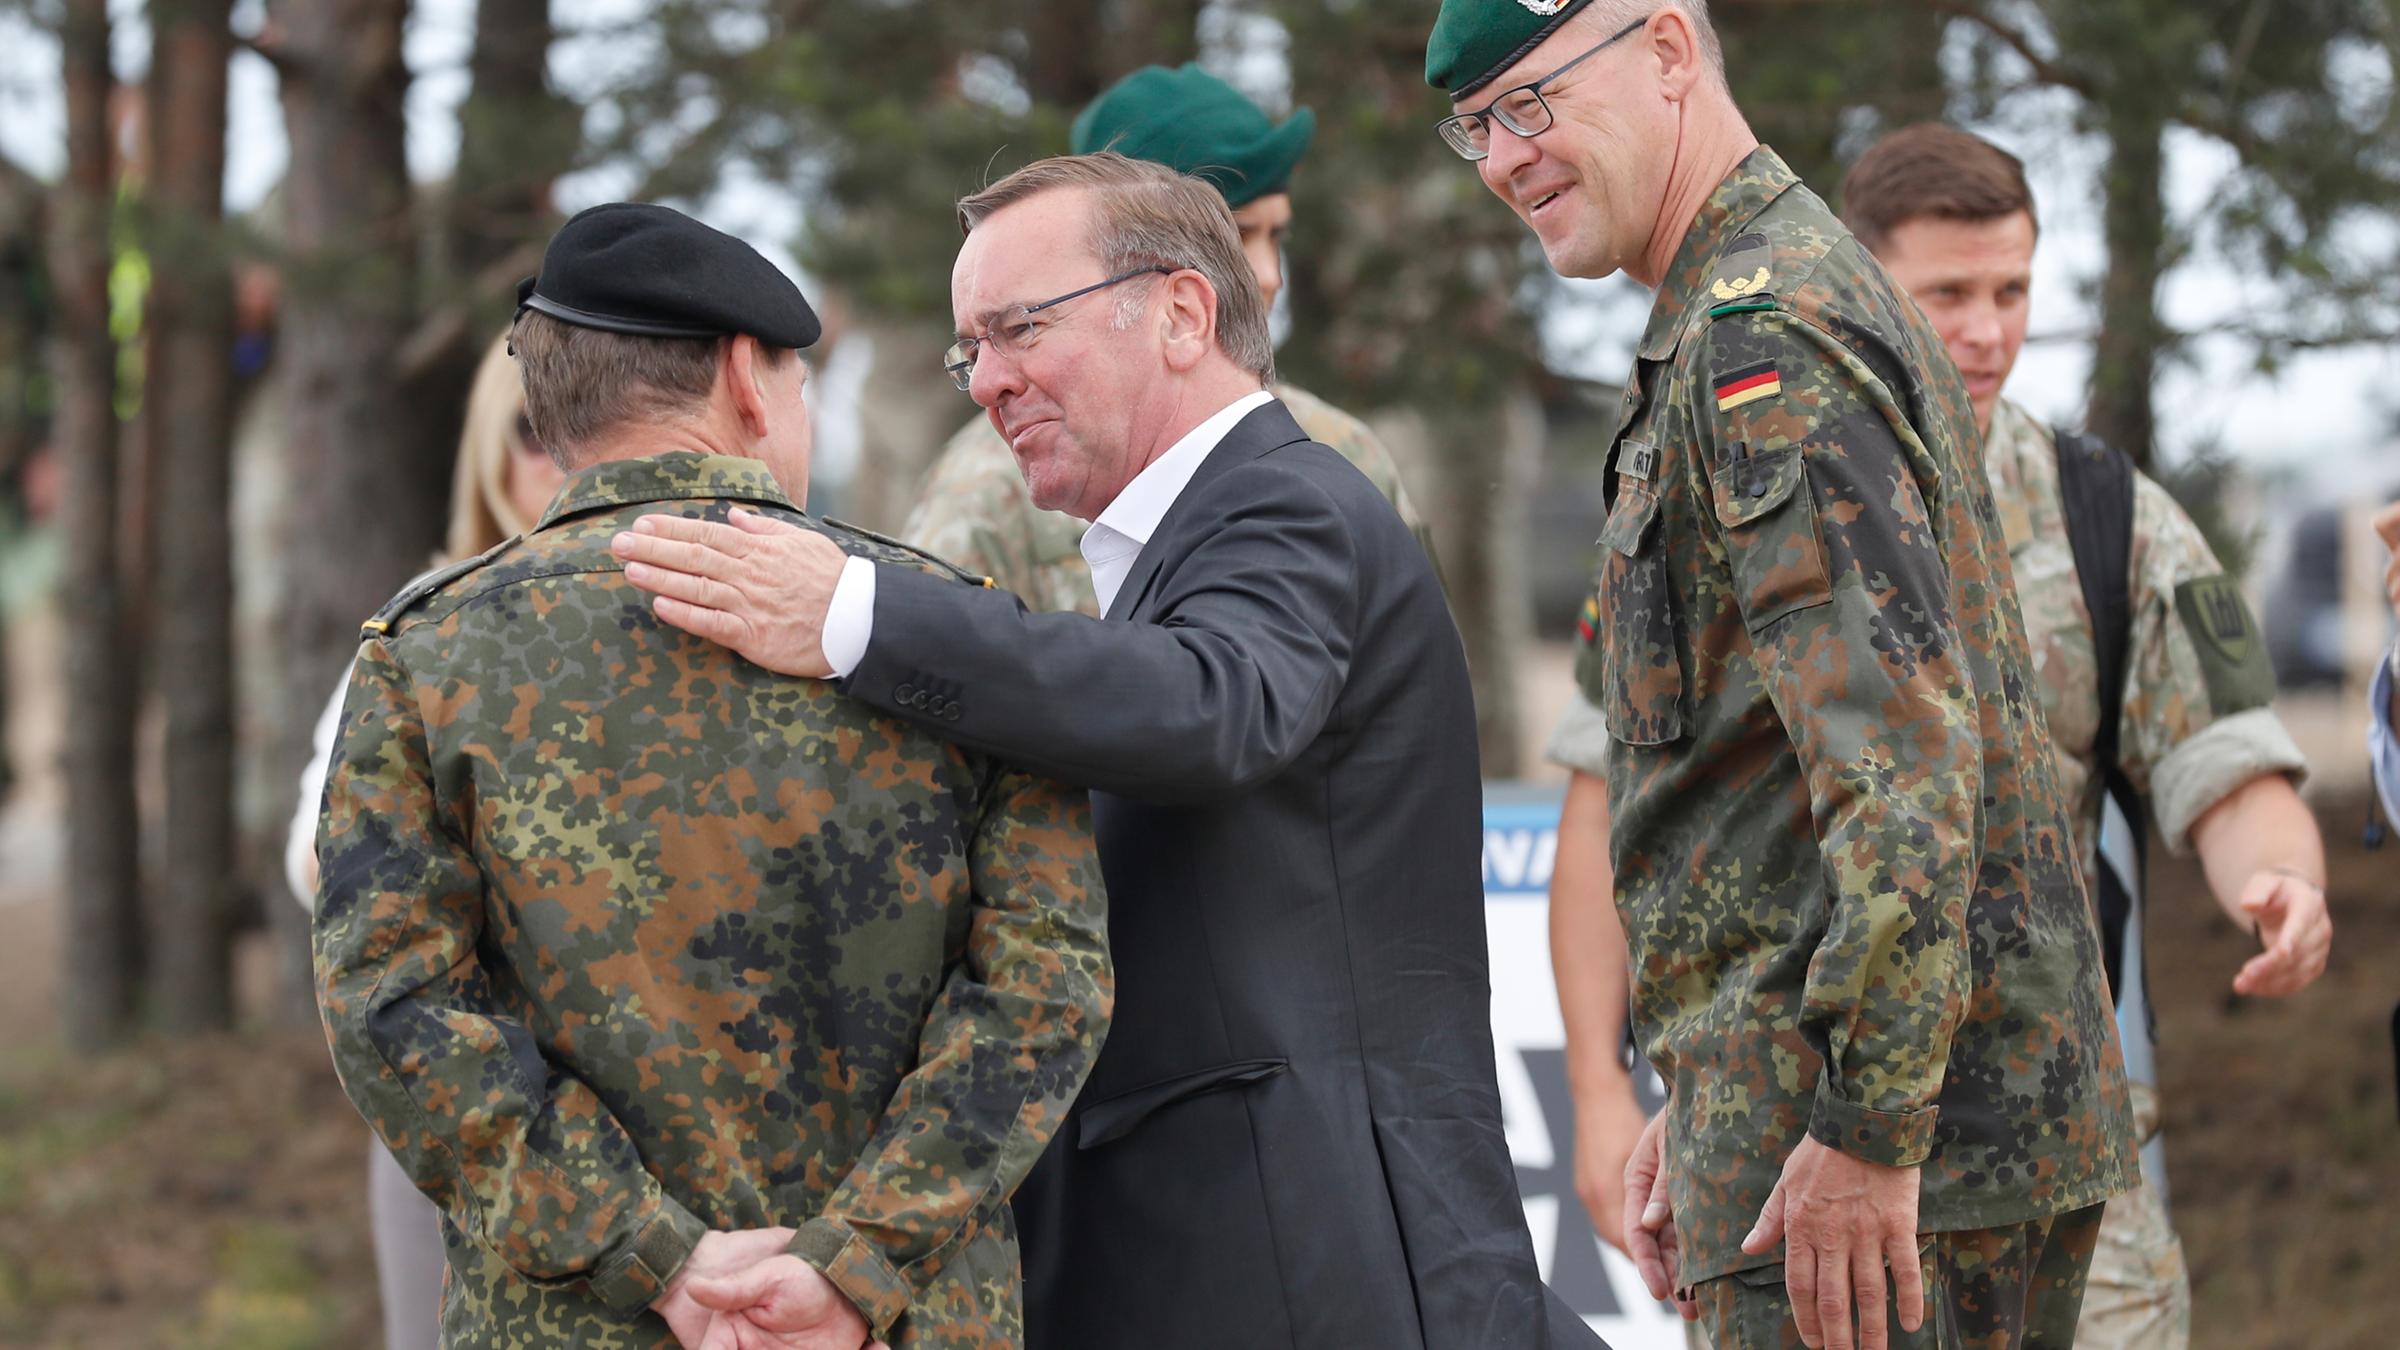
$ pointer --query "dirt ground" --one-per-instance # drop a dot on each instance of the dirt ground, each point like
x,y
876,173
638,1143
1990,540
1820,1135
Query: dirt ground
x,y
2282,1120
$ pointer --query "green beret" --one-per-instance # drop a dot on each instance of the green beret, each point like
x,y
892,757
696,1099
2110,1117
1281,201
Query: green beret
x,y
1474,40
1193,122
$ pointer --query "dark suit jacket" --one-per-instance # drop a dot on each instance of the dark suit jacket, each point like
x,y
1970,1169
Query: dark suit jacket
x,y
1292,1137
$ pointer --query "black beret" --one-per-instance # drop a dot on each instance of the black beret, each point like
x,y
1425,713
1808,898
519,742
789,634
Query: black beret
x,y
630,267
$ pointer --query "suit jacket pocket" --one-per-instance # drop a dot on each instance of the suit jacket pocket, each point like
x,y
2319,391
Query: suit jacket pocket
x,y
1116,1117
1640,658
1770,520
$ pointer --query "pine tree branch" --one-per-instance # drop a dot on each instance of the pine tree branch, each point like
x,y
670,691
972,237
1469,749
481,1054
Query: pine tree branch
x,y
2016,40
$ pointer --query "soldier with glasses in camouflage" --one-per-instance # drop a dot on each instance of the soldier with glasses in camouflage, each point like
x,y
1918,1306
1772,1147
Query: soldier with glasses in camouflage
x,y
2188,731
1862,957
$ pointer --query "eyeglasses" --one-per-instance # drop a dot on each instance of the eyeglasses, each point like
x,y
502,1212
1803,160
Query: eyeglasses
x,y
1522,110
1015,328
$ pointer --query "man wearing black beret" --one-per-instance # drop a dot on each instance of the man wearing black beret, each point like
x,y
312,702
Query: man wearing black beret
x,y
1862,956
690,993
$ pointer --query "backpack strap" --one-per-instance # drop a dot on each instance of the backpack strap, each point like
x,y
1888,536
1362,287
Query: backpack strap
x,y
2096,488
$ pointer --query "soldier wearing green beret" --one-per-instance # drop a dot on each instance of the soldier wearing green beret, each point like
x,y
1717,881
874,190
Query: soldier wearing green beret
x,y
1862,955
975,510
2183,736
681,986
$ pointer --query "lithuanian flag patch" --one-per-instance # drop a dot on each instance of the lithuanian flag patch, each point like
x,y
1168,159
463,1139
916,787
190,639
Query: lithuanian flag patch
x,y
1587,624
1748,385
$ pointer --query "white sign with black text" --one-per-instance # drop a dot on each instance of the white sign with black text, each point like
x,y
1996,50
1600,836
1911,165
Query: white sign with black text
x,y
1520,842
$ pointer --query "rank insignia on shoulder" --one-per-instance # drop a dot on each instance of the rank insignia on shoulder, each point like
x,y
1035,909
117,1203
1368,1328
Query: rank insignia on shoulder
x,y
1734,288
424,584
1744,269
1748,385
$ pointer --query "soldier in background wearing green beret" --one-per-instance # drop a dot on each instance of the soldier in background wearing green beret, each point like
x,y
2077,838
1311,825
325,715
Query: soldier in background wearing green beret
x,y
975,510
677,984
1862,955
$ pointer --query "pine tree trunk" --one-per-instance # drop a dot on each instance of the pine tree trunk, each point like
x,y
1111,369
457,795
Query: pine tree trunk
x,y
1063,61
367,491
22,201
2132,335
190,389
103,943
515,137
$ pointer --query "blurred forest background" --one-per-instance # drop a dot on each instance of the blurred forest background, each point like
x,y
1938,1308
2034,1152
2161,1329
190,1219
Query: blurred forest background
x,y
225,439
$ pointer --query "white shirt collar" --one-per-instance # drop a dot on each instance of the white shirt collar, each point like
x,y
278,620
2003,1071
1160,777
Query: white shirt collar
x,y
1126,524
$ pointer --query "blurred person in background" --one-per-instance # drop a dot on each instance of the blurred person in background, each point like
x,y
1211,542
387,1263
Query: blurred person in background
x,y
2384,702
976,511
2189,734
502,480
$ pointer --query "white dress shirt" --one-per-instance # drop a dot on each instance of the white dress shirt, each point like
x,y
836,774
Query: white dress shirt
x,y
1109,546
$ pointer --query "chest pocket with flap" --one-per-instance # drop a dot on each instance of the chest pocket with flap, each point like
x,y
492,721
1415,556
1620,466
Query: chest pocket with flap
x,y
1637,679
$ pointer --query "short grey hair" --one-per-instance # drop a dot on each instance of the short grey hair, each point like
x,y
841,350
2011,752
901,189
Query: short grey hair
x,y
1148,215
583,383
1611,15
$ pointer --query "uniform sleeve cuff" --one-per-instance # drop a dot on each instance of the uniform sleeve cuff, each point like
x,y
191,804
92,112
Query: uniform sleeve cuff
x,y
1889,1138
855,1267
637,1273
2216,760
1580,743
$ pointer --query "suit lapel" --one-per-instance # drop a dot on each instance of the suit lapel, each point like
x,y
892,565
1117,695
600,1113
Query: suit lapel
x,y
1268,427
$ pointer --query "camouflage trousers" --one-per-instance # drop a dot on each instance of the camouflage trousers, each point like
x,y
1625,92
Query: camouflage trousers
x,y
2013,1288
2140,1294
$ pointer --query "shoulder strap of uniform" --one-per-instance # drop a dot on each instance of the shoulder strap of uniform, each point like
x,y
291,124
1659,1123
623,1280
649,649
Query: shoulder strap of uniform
x,y
426,583
933,563
2095,483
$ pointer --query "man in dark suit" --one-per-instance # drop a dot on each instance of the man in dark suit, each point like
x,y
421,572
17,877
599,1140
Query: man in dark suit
x,y
1292,1137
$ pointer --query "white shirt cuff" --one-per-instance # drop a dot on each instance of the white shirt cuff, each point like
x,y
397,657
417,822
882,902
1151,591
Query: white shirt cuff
x,y
850,618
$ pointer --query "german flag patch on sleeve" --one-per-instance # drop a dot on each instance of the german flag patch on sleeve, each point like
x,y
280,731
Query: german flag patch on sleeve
x,y
1748,385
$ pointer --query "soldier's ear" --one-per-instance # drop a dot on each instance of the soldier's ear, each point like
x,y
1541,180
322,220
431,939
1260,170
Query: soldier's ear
x,y
744,373
1676,53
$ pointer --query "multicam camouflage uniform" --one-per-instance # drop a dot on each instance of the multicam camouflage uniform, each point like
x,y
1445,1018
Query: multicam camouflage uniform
x,y
2196,721
2195,725
1841,858
623,939
977,513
